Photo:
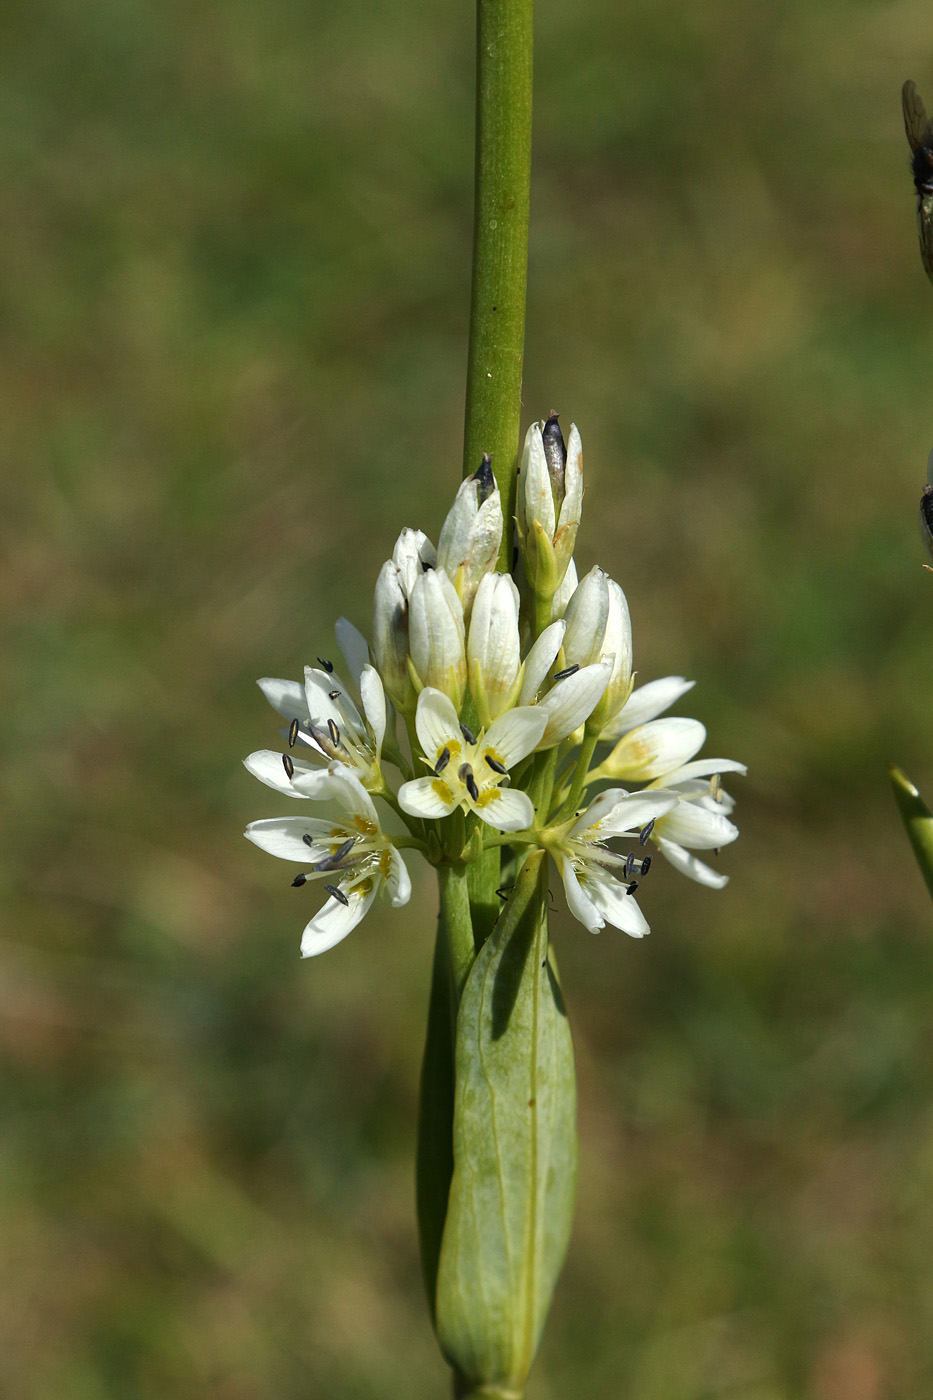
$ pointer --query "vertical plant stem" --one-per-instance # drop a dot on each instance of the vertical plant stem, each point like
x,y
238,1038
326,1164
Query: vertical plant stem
x,y
500,244
458,923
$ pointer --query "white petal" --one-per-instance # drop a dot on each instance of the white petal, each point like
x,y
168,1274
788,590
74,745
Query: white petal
x,y
586,618
655,748
689,865
436,723
617,814
564,593
427,797
578,901
617,907
284,837
319,686
699,830
373,696
346,787
572,701
332,923
535,501
398,881
514,734
539,661
288,697
267,766
647,702
436,636
701,768
573,481
354,647
412,551
507,809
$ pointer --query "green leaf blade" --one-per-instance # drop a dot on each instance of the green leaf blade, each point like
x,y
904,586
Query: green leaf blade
x,y
515,1152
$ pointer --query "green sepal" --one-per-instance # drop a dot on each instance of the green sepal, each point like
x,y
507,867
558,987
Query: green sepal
x,y
515,1150
917,819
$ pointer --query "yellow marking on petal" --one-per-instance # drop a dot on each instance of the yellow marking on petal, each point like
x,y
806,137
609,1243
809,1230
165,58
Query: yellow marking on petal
x,y
365,825
486,796
385,863
440,788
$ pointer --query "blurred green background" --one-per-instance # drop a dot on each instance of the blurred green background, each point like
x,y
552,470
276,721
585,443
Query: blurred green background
x,y
234,243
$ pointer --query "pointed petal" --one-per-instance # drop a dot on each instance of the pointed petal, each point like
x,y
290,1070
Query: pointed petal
x,y
694,827
535,500
690,866
373,696
284,837
572,701
617,907
346,787
514,734
436,723
578,901
354,647
332,923
506,809
701,768
288,697
654,749
614,815
397,880
267,766
426,797
646,703
319,687
539,661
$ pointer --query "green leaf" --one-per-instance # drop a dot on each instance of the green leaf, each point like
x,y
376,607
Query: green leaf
x,y
515,1149
434,1161
917,819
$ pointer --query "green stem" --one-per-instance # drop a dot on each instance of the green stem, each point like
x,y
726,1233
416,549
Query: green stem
x,y
500,244
458,923
577,786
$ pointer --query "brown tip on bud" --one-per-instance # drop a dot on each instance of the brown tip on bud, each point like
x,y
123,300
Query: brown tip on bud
x,y
484,478
555,454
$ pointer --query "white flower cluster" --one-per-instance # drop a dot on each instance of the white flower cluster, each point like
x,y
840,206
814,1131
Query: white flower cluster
x,y
515,696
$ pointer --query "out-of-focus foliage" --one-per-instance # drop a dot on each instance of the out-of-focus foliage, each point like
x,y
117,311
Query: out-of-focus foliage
x,y
234,242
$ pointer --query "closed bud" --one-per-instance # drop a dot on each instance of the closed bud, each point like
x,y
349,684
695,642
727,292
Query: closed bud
x,y
550,497
412,555
390,635
617,647
471,535
436,635
493,650
586,616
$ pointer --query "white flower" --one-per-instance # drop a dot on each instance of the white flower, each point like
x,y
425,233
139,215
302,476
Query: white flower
x,y
351,853
436,635
493,651
595,895
572,698
324,720
700,821
471,535
647,702
467,772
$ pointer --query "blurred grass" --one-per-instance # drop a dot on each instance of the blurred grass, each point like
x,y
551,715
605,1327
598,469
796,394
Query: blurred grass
x,y
235,252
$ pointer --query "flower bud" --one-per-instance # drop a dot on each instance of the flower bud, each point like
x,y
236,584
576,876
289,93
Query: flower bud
x,y
436,636
550,497
390,635
617,645
586,617
471,534
413,553
493,651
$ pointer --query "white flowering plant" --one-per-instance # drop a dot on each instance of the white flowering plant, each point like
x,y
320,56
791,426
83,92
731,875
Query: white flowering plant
x,y
492,725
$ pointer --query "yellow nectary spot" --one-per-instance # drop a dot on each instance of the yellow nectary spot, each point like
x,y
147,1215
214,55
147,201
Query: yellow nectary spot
x,y
365,825
385,863
453,745
486,796
442,790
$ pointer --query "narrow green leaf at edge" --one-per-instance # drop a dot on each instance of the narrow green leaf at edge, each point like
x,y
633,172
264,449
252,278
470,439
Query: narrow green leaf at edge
x,y
515,1150
434,1160
917,819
